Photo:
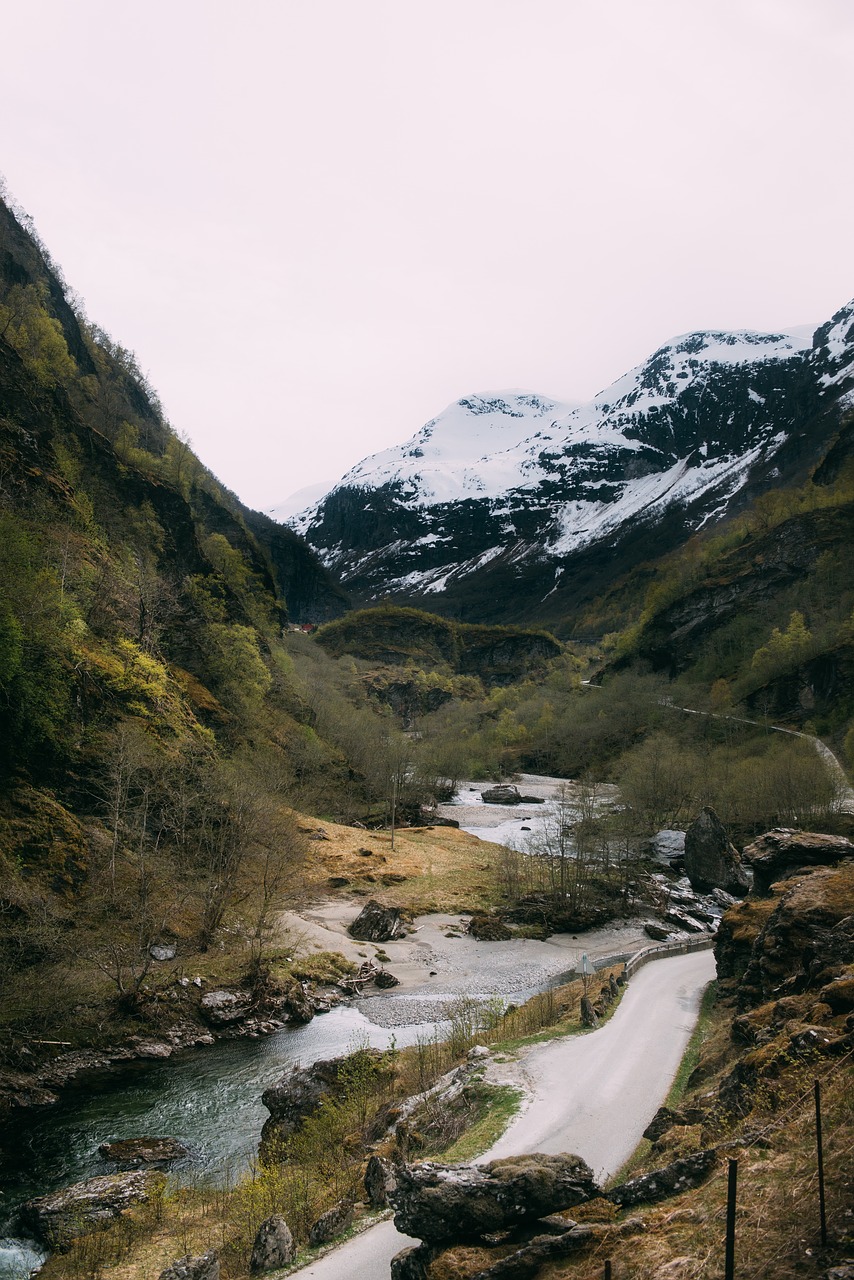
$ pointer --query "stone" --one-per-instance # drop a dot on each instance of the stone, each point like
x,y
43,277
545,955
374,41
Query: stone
x,y
84,1207
779,854
488,928
332,1223
163,951
657,932
439,1203
724,899
501,795
681,1175
203,1267
221,1008
588,1013
711,860
134,1152
681,920
380,1181
273,1247
528,1261
384,980
412,1263
845,1271
376,923
665,845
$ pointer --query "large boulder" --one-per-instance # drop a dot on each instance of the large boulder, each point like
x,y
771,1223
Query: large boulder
x,y
205,1266
222,1008
780,853
85,1207
380,1181
331,1224
439,1203
501,795
135,1152
376,923
711,860
273,1247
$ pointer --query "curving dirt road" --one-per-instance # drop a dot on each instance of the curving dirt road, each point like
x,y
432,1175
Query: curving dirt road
x,y
592,1094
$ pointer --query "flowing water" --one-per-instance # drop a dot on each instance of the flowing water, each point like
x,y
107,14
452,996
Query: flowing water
x,y
208,1098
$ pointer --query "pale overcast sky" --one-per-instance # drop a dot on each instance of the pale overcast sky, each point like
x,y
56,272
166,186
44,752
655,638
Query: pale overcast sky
x,y
318,222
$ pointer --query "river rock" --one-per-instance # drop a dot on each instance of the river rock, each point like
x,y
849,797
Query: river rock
x,y
439,1203
488,928
376,923
711,860
221,1008
205,1266
134,1152
672,1180
84,1207
380,1181
273,1247
385,980
501,795
780,853
332,1223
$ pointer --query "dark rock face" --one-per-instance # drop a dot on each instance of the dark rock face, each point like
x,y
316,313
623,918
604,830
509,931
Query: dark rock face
x,y
439,1203
380,1181
711,861
376,923
299,1093
134,1152
487,928
296,1096
332,1223
501,795
203,1267
778,854
673,1179
84,1207
665,1119
273,1247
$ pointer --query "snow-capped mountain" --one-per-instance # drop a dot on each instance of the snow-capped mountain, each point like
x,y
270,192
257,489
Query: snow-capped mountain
x,y
514,492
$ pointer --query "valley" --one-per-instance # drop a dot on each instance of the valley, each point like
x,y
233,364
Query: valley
x,y
542,687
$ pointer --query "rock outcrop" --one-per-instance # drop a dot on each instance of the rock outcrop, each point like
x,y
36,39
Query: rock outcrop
x,y
135,1152
380,1181
299,1093
780,853
376,923
439,1203
84,1207
711,860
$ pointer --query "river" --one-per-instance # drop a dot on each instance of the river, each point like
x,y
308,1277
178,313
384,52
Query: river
x,y
208,1098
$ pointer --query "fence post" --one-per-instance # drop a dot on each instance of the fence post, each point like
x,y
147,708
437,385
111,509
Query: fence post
x,y
608,1270
820,1152
729,1272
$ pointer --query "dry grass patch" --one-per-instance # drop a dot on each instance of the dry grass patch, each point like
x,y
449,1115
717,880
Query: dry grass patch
x,y
429,869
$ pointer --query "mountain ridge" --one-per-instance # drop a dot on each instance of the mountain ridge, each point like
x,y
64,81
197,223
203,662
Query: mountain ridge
x,y
507,499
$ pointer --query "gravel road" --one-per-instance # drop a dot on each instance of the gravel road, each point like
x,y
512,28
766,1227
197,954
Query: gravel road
x,y
592,1094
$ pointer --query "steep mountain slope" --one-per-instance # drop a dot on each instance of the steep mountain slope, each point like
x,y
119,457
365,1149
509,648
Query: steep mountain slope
x,y
510,505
